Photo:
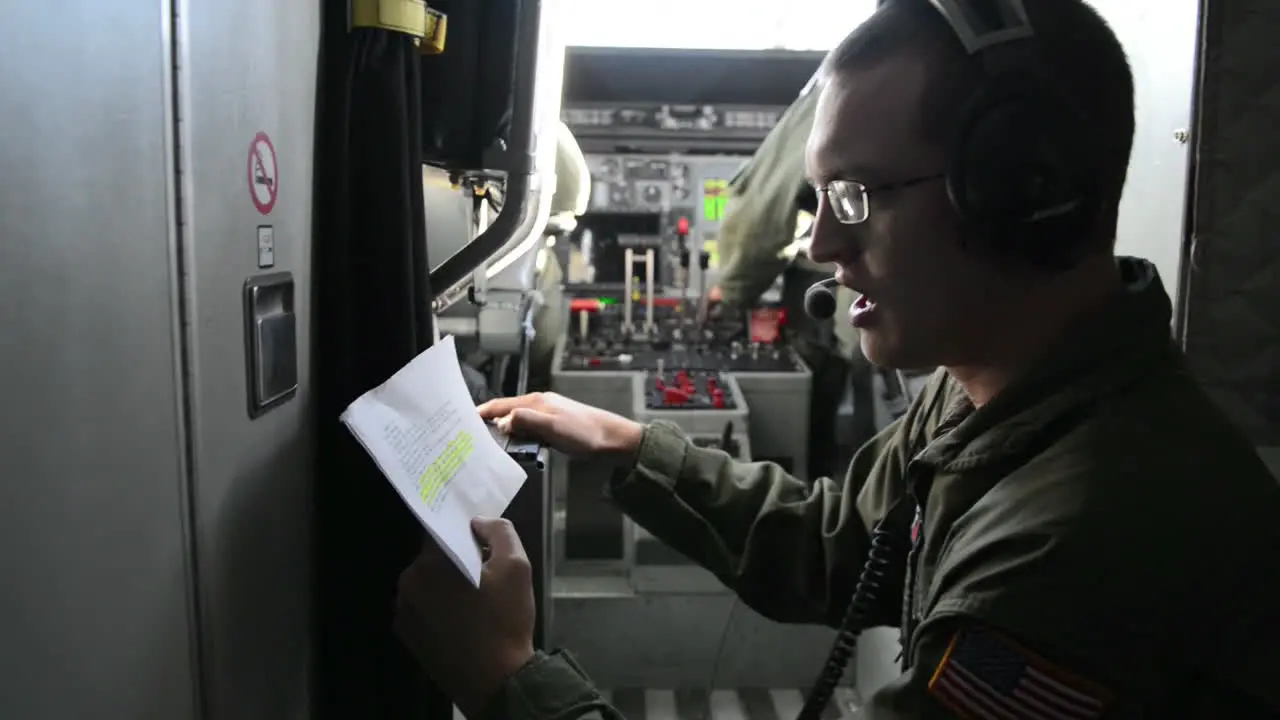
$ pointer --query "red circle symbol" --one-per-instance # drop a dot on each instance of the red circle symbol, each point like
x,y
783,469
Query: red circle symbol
x,y
264,173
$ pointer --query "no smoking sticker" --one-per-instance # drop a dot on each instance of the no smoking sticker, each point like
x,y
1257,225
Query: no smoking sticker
x,y
264,173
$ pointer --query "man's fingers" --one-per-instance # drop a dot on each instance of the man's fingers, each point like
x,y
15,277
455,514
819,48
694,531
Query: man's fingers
x,y
499,536
528,423
501,407
498,407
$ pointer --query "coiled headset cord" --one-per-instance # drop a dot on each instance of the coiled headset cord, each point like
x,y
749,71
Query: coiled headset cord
x,y
857,618
866,597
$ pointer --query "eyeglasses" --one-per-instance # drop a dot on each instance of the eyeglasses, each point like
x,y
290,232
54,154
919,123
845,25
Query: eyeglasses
x,y
849,198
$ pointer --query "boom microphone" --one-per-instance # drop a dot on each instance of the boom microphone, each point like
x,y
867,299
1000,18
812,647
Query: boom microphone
x,y
820,301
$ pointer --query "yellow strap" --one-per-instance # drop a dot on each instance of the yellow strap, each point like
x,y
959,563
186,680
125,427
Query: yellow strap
x,y
437,29
411,17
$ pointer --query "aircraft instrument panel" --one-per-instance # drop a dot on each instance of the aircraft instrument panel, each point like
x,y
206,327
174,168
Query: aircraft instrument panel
x,y
678,186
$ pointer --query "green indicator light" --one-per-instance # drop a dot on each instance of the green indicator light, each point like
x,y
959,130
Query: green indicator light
x,y
714,199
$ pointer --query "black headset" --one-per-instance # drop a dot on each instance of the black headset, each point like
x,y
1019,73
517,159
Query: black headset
x,y
1020,165
1020,158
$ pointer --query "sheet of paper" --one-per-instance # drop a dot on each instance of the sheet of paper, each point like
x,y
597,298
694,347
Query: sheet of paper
x,y
422,429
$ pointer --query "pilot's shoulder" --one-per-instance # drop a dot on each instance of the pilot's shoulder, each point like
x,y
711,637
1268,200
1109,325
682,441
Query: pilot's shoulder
x,y
1165,444
1145,471
1152,510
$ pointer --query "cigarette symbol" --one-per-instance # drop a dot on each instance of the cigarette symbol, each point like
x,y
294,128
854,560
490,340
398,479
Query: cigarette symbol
x,y
260,169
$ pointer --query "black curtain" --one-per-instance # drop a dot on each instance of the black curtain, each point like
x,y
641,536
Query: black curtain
x,y
371,317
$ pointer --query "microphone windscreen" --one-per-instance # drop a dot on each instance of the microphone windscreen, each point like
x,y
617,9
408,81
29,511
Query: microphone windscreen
x,y
819,302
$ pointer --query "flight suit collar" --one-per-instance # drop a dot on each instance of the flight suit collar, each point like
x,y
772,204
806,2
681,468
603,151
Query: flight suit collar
x,y
1102,353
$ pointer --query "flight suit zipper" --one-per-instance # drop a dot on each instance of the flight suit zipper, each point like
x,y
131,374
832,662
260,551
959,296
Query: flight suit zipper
x,y
919,476
918,485
909,594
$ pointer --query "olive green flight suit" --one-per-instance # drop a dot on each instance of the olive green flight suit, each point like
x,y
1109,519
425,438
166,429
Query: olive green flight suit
x,y
760,219
1100,524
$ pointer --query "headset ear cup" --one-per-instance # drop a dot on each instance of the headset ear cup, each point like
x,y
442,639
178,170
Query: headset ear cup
x,y
1013,164
973,163
1004,168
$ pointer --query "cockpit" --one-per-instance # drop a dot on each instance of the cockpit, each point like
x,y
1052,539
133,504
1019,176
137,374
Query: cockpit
x,y
226,221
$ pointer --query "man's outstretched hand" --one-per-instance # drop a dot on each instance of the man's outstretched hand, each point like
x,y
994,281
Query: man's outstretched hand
x,y
563,424
469,639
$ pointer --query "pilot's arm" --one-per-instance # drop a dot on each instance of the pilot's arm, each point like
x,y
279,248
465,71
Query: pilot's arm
x,y
760,220
791,550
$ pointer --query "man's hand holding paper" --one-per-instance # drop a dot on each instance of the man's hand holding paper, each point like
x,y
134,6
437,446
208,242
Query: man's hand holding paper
x,y
470,639
422,429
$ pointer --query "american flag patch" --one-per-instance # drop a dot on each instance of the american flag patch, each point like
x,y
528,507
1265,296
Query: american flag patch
x,y
984,676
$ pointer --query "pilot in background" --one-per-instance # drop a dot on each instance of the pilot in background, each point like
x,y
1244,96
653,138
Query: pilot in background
x,y
1081,532
768,197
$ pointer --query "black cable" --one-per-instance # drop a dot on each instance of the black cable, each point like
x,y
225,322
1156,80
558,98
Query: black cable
x,y
866,599
856,619
726,438
724,641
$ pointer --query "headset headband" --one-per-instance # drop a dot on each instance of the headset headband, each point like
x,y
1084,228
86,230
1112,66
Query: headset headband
x,y
983,24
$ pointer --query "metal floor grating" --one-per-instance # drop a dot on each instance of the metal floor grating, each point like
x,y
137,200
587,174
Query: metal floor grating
x,y
744,704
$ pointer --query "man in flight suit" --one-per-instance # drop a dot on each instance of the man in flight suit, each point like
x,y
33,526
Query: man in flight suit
x,y
1086,534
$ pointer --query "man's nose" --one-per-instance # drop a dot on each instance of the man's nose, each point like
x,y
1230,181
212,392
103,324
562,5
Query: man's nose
x,y
828,237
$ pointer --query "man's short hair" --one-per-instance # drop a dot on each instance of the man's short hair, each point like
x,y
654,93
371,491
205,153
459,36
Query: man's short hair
x,y
1078,52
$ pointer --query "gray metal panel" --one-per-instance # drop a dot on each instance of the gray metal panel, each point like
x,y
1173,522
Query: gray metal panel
x,y
450,217
1232,317
780,422
1159,37
94,611
249,67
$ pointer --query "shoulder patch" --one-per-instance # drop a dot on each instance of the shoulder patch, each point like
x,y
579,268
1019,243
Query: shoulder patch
x,y
986,676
